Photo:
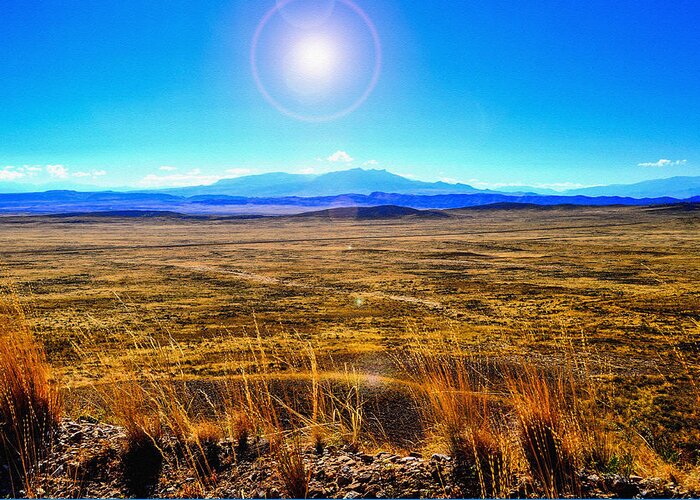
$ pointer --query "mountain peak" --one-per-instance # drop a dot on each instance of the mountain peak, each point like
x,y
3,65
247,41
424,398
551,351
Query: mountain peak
x,y
356,180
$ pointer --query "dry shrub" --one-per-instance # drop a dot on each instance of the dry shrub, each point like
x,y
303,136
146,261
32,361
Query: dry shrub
x,y
289,463
251,404
202,450
142,454
30,403
152,401
239,429
550,432
500,421
457,408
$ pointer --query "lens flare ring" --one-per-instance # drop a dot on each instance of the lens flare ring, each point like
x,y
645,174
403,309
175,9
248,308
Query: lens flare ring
x,y
311,118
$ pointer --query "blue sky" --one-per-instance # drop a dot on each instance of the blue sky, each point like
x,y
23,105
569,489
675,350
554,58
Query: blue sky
x,y
548,93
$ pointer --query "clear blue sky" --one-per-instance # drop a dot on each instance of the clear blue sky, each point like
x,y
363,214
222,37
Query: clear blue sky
x,y
486,92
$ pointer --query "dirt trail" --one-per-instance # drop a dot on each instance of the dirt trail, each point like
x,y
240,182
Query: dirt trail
x,y
268,280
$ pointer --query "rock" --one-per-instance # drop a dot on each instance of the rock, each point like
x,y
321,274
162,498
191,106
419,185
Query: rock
x,y
366,458
409,459
373,490
357,486
364,477
438,457
76,437
353,494
316,492
625,488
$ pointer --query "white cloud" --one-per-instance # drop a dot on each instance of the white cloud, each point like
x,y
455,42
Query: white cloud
x,y
91,173
167,168
238,172
556,186
307,171
340,157
10,173
190,178
663,162
57,171
371,163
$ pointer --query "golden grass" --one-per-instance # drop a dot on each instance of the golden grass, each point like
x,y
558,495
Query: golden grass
x,y
453,393
498,391
503,421
549,429
30,402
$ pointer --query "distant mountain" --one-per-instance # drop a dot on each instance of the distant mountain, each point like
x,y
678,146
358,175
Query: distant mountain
x,y
376,212
527,190
57,202
675,187
356,180
361,181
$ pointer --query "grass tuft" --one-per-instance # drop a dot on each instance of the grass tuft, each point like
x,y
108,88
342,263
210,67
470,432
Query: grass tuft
x,y
30,403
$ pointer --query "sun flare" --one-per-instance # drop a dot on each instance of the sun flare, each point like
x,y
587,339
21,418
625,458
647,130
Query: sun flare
x,y
314,58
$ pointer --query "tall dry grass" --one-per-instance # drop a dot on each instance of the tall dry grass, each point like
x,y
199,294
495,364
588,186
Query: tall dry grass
x,y
550,432
453,393
270,396
30,401
501,422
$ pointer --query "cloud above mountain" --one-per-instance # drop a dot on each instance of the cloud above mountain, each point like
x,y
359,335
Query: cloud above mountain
x,y
340,157
663,162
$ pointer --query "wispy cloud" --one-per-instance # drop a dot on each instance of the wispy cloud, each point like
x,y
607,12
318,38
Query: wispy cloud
x,y
556,186
57,171
189,178
92,174
340,157
371,163
663,162
167,168
11,173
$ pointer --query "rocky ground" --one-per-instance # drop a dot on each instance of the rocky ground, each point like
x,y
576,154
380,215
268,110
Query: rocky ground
x,y
87,462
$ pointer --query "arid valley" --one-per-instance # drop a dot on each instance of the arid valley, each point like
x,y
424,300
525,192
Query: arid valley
x,y
372,311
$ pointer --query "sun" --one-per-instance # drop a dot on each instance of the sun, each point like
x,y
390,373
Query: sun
x,y
317,70
314,58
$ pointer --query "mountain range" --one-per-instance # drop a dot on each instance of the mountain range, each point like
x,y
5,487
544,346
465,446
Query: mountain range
x,y
361,181
356,181
283,193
